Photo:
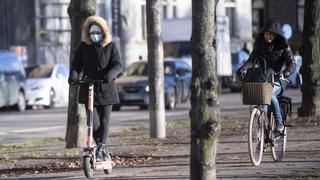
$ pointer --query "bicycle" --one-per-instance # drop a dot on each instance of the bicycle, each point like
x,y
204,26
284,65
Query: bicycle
x,y
89,152
262,132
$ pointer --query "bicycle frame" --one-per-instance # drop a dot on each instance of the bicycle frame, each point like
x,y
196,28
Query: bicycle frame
x,y
269,125
262,120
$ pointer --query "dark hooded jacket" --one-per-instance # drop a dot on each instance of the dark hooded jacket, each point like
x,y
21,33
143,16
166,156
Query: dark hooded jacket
x,y
276,55
97,61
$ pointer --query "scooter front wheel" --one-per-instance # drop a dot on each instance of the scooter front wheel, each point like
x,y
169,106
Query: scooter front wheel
x,y
87,166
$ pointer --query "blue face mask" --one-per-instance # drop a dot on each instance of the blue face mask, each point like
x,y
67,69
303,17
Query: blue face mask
x,y
96,37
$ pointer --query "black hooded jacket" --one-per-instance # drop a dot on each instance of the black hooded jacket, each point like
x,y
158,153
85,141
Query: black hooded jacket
x,y
276,55
97,61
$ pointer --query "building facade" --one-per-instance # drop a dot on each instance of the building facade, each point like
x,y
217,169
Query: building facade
x,y
43,27
53,31
177,17
17,25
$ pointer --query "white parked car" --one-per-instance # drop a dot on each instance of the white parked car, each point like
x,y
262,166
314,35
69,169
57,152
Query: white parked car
x,y
47,85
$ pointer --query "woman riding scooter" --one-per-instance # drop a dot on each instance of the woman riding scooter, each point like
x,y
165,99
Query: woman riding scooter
x,y
97,57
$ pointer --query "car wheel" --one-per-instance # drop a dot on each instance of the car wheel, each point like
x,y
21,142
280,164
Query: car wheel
x,y
172,100
21,102
235,89
143,107
116,107
51,97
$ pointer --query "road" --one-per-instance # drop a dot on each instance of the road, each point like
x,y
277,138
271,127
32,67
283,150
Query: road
x,y
32,124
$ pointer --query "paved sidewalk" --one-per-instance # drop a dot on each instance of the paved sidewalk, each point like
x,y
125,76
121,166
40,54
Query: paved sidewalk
x,y
169,158
141,158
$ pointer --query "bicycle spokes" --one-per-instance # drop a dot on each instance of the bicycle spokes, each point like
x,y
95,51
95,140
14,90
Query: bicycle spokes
x,y
263,134
279,145
256,136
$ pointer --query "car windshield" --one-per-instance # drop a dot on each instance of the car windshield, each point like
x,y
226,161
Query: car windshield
x,y
141,69
39,71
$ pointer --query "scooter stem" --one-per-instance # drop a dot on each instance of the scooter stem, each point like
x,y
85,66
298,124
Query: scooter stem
x,y
90,116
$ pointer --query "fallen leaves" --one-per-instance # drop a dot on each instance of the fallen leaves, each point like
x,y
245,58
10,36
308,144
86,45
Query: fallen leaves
x,y
61,165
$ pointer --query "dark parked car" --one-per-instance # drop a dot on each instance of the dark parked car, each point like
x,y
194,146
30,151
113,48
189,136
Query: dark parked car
x,y
12,81
133,85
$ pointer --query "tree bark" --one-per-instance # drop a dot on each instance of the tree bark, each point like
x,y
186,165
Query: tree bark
x,y
205,110
311,62
155,69
78,11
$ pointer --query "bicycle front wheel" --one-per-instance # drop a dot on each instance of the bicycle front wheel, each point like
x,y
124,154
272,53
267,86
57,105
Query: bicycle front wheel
x,y
279,145
256,136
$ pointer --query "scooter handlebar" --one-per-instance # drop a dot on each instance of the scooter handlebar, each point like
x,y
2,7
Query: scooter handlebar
x,y
95,81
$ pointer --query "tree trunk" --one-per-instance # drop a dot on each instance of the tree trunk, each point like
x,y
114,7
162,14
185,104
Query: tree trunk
x,y
155,66
78,11
205,117
311,62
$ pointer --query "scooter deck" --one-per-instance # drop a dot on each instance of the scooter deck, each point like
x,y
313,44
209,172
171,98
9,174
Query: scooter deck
x,y
104,165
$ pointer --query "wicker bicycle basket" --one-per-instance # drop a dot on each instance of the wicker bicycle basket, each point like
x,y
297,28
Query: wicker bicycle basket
x,y
256,93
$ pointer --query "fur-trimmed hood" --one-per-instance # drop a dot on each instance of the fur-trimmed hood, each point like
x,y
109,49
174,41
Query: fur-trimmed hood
x,y
104,28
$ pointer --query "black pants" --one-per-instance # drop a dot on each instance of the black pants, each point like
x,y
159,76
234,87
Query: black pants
x,y
101,120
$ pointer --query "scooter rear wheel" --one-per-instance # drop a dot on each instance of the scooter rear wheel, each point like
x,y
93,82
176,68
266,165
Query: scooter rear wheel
x,y
107,171
87,167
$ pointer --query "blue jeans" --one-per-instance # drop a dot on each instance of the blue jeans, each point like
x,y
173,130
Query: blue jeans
x,y
275,104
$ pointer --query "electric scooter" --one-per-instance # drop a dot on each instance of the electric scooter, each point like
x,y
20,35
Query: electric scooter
x,y
89,152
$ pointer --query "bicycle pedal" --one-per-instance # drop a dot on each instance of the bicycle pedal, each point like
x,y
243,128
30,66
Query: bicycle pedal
x,y
279,135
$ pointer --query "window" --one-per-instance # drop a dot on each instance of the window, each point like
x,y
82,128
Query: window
x,y
40,71
165,13
231,15
61,72
144,21
175,13
116,19
258,16
300,13
42,15
6,65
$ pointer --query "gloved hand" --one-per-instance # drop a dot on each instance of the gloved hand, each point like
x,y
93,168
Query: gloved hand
x,y
108,80
286,73
72,81
241,74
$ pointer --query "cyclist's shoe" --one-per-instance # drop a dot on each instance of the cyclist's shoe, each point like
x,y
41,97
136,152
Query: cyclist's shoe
x,y
280,126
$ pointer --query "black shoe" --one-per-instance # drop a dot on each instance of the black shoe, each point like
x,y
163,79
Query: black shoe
x,y
106,156
100,152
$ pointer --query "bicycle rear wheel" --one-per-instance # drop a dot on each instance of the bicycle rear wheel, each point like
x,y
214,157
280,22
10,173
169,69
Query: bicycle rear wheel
x,y
256,136
279,145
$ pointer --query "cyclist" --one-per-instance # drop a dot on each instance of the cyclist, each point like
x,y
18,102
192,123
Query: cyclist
x,y
271,51
97,57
